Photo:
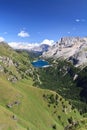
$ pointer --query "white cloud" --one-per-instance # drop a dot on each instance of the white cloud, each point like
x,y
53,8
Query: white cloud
x,y
77,20
25,45
2,39
22,45
80,20
48,42
23,34
14,45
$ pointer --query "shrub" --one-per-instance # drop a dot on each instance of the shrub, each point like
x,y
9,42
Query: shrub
x,y
54,126
62,102
59,117
56,97
64,106
44,95
52,100
70,103
54,106
48,105
70,120
60,99
73,107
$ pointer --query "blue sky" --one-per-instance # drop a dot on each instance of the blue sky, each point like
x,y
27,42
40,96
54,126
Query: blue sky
x,y
35,20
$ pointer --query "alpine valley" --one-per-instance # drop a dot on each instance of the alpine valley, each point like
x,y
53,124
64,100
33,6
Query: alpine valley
x,y
44,98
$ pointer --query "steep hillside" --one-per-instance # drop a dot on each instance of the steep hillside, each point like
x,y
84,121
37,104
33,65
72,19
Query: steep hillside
x,y
25,107
14,65
65,79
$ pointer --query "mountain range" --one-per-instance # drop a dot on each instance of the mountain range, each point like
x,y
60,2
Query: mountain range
x,y
32,47
73,49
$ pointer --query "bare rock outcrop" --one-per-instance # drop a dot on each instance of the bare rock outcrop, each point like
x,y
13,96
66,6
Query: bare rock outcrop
x,y
73,49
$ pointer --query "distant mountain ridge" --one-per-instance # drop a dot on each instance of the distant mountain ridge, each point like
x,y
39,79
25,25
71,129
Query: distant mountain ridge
x,y
72,48
41,48
32,47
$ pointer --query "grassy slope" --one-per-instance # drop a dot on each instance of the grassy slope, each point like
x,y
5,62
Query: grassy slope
x,y
34,112
6,121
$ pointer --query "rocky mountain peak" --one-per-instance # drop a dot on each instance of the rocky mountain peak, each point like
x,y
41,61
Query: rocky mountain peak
x,y
69,48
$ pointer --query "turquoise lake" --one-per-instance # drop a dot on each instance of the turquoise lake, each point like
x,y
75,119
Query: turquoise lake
x,y
40,63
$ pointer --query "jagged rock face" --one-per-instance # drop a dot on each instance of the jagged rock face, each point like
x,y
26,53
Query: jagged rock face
x,y
81,55
73,49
